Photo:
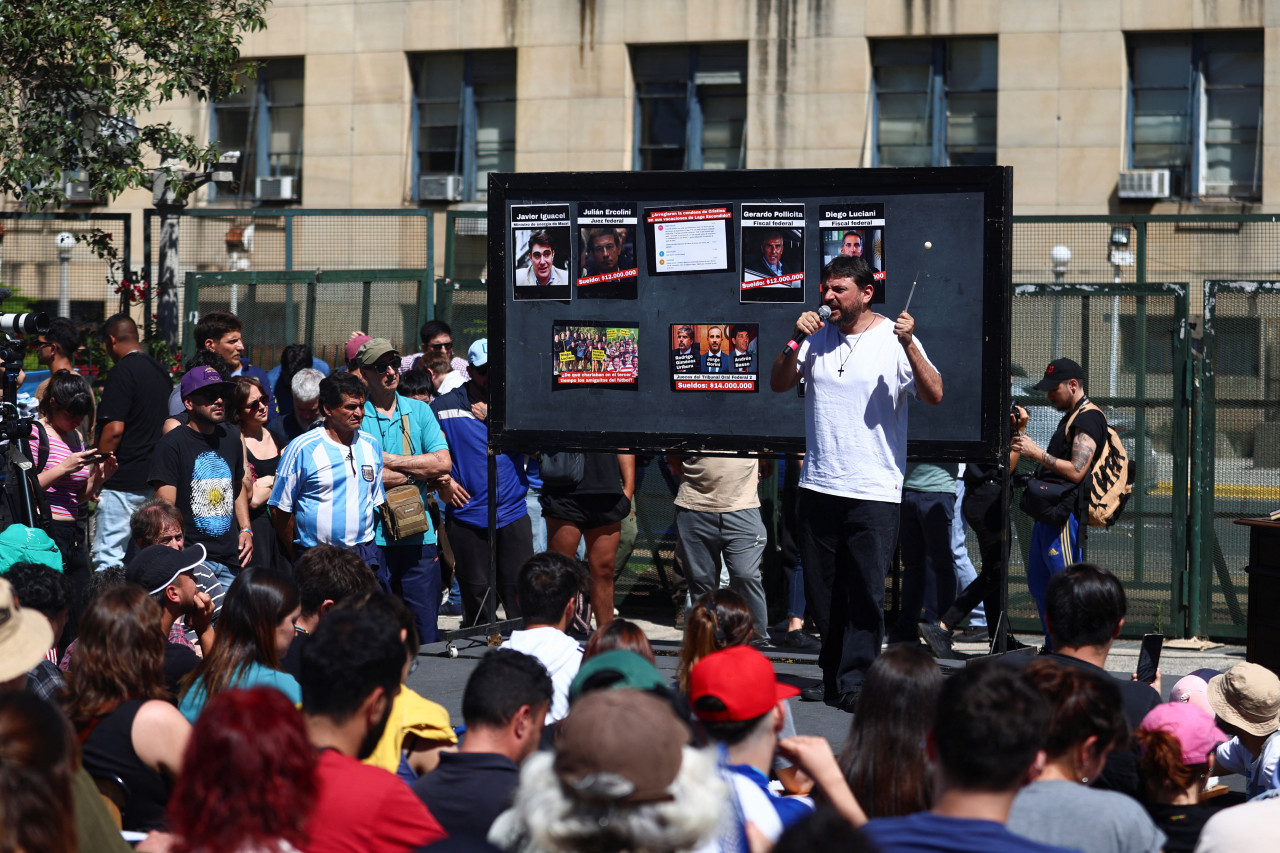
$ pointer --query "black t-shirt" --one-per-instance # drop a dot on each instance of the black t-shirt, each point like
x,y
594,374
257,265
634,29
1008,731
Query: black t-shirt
x,y
1091,423
137,393
207,471
178,661
468,790
601,475
1182,824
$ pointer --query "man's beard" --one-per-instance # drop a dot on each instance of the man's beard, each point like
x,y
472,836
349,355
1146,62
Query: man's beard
x,y
371,737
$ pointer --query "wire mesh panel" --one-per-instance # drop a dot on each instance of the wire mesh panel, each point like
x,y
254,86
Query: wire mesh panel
x,y
40,271
1241,452
1131,341
322,310
243,241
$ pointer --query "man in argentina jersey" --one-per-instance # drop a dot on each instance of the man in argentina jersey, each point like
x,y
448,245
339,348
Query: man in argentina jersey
x,y
329,480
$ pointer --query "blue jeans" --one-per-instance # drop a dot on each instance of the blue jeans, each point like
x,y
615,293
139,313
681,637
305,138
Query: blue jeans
x,y
965,572
1052,550
226,574
534,506
111,536
412,573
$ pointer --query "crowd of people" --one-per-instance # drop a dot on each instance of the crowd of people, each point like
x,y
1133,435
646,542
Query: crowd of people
x,y
287,726
216,658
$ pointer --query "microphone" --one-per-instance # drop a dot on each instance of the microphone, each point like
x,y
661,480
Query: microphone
x,y
824,314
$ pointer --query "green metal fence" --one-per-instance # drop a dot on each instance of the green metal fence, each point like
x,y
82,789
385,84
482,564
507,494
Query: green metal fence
x,y
1238,432
220,240
320,309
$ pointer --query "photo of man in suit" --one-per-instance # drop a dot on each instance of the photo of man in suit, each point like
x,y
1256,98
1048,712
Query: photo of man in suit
x,y
714,360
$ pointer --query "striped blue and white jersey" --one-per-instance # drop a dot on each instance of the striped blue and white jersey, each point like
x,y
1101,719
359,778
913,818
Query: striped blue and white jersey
x,y
332,490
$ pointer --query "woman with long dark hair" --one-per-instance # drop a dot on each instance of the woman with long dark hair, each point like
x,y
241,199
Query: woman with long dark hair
x,y
253,633
118,703
882,759
37,760
248,777
70,475
248,411
1059,807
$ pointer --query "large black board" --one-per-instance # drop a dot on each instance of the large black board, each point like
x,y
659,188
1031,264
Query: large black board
x,y
961,307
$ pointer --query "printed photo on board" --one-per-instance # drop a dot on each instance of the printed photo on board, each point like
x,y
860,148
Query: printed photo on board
x,y
772,253
855,230
607,251
714,357
542,246
595,355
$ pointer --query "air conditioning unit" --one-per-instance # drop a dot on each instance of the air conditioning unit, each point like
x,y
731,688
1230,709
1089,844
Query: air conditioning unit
x,y
79,192
282,188
1144,183
439,187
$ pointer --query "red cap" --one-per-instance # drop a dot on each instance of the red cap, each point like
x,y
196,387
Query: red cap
x,y
742,679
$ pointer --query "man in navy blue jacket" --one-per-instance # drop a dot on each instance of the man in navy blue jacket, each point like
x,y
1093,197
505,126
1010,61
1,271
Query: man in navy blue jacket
x,y
463,414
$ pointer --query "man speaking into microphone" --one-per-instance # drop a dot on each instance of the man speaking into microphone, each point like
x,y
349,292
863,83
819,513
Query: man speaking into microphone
x,y
859,368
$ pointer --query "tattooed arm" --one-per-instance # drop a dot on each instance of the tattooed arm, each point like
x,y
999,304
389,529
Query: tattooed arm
x,y
1074,469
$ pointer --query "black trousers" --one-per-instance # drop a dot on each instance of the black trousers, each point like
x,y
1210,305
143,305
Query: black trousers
x,y
981,509
846,546
72,542
471,565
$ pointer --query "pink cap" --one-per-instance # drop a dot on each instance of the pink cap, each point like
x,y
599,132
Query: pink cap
x,y
1195,730
1191,688
353,345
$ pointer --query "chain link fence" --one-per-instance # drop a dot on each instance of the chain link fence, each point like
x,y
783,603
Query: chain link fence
x,y
44,272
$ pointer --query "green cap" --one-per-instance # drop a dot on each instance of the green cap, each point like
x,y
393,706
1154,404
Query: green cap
x,y
615,669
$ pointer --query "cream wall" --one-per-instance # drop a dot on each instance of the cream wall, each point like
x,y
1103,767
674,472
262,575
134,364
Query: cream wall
x,y
1061,101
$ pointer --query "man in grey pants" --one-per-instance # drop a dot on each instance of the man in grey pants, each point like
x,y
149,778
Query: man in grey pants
x,y
718,517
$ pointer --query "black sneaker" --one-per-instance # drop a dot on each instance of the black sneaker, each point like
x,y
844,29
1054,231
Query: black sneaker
x,y
814,693
938,639
973,634
849,701
800,640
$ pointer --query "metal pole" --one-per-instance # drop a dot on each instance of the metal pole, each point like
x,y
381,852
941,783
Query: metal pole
x,y
1055,345
167,305
1115,338
65,242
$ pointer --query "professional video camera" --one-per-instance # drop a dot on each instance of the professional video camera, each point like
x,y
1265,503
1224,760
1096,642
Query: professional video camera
x,y
16,465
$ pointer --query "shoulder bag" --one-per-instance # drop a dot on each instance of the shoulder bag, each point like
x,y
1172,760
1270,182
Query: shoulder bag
x,y
403,510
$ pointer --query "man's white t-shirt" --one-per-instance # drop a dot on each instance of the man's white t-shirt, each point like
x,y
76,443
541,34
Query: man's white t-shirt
x,y
856,421
559,653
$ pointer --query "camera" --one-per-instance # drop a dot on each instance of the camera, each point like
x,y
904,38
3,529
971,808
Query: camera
x,y
30,323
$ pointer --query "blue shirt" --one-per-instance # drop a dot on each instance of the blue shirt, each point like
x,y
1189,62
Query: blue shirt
x,y
925,832
424,435
469,447
332,490
254,675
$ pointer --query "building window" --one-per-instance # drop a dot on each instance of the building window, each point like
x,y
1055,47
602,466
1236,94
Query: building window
x,y
691,106
935,102
464,120
1195,108
263,121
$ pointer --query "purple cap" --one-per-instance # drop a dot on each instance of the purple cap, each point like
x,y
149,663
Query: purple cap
x,y
203,377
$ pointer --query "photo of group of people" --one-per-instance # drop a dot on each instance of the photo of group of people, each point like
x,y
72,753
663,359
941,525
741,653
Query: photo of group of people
x,y
715,357
595,355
